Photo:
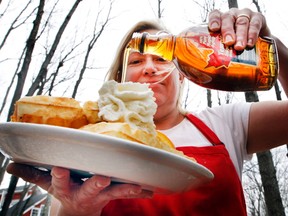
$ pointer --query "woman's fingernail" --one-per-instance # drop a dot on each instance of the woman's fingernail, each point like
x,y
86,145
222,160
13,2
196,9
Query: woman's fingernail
x,y
228,39
56,174
239,44
250,41
102,183
214,25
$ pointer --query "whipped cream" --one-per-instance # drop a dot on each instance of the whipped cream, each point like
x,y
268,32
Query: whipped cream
x,y
128,102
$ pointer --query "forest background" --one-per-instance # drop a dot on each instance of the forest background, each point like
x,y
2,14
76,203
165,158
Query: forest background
x,y
77,64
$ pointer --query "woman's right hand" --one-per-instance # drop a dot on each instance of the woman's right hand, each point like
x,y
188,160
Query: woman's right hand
x,y
77,197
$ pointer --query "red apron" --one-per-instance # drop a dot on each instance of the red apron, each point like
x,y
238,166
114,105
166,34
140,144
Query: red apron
x,y
222,196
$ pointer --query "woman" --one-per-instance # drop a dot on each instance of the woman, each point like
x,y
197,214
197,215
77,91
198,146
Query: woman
x,y
220,138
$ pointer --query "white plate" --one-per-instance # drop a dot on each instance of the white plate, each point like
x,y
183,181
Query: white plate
x,y
88,153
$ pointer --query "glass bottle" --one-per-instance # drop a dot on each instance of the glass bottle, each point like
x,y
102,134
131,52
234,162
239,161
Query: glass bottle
x,y
203,59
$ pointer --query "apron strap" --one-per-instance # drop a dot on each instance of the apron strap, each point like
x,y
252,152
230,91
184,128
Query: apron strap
x,y
206,131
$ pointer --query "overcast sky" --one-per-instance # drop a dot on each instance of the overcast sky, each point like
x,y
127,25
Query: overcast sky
x,y
177,15
180,14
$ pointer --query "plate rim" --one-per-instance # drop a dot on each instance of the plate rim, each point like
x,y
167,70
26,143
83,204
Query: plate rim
x,y
8,126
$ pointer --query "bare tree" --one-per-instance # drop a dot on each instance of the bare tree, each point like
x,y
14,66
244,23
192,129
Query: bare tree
x,y
24,51
206,7
94,39
272,194
253,186
8,4
61,63
13,24
160,9
9,195
11,83
18,91
40,80
267,169
30,44
22,77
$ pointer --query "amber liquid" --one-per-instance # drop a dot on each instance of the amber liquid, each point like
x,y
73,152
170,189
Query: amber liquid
x,y
252,70
204,60
125,64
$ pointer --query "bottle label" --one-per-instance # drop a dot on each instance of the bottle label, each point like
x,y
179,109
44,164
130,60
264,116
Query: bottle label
x,y
219,55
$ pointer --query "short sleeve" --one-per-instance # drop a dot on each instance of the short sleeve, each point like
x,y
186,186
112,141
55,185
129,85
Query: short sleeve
x,y
230,123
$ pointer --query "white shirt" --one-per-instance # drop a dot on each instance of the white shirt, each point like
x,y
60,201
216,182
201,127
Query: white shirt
x,y
229,122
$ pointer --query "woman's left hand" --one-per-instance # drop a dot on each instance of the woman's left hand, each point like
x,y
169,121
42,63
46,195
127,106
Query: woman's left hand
x,y
240,28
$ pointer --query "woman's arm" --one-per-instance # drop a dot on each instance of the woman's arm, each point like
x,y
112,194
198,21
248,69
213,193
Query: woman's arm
x,y
268,126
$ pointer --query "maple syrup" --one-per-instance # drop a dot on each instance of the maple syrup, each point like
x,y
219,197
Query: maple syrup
x,y
203,59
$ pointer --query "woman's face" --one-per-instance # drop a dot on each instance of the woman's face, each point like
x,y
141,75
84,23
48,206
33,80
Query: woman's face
x,y
143,67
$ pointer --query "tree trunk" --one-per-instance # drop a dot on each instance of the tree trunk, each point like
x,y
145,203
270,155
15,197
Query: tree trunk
x,y
267,170
160,10
4,162
266,166
233,3
28,56
18,91
209,98
272,195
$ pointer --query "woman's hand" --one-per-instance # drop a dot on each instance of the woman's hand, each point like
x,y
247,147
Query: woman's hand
x,y
240,28
77,197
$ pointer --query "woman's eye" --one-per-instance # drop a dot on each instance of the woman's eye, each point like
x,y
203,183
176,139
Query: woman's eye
x,y
161,60
133,62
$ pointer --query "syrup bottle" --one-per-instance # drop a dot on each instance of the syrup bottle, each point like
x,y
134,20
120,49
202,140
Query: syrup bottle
x,y
203,59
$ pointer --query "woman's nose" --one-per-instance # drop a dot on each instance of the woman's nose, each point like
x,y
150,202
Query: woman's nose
x,y
149,68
